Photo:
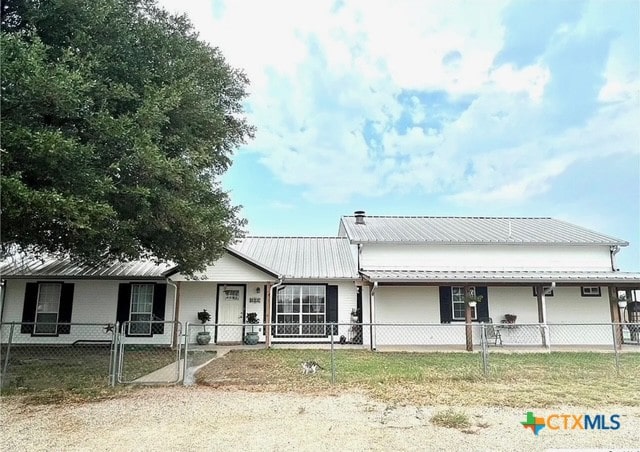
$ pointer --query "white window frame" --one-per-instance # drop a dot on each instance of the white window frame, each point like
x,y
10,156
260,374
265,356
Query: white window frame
x,y
41,305
458,298
591,291
135,324
294,300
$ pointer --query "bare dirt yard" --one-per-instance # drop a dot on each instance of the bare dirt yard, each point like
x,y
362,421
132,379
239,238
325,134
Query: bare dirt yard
x,y
205,418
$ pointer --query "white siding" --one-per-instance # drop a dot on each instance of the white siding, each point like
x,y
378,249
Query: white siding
x,y
194,297
421,304
484,257
229,269
94,302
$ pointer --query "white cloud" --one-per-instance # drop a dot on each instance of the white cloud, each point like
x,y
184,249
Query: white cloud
x,y
318,76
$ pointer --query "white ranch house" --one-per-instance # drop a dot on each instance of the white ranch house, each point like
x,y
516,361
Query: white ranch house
x,y
378,270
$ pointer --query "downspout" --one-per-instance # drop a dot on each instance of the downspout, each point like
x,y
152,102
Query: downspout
x,y
613,250
3,284
267,334
372,315
545,329
174,339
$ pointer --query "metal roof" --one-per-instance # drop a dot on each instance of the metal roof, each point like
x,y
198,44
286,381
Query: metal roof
x,y
301,257
426,276
471,230
22,266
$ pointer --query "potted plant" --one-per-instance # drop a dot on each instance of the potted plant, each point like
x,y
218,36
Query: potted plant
x,y
510,318
251,337
474,299
203,337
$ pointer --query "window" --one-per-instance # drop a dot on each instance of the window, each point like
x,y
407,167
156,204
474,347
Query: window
x,y
301,311
141,312
458,305
47,308
231,294
535,292
590,291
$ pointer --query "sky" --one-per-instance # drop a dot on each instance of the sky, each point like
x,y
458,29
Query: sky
x,y
456,108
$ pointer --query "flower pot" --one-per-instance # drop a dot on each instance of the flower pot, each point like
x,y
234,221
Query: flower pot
x,y
251,338
203,338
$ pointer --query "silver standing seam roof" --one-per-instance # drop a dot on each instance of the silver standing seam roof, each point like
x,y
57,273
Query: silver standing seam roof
x,y
489,276
471,230
290,257
23,266
301,257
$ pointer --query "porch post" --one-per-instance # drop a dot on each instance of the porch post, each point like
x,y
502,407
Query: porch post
x,y
468,319
615,315
542,312
267,318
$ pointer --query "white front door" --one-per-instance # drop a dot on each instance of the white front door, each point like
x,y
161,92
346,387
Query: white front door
x,y
230,313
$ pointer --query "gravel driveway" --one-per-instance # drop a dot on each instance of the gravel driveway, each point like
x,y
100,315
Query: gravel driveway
x,y
178,419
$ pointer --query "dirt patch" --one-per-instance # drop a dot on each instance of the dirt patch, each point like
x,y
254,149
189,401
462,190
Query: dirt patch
x,y
225,419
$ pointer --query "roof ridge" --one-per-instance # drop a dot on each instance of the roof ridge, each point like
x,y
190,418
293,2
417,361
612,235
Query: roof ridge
x,y
453,216
292,237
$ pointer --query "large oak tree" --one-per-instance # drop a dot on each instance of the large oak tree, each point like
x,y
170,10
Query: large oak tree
x,y
117,122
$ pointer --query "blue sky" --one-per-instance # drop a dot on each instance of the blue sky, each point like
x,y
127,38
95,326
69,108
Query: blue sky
x,y
514,108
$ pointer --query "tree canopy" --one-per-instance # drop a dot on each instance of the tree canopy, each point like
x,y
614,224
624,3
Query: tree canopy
x,y
117,122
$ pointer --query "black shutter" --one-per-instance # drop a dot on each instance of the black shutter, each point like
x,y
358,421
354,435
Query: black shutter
x,y
66,304
445,304
159,303
483,306
332,306
264,306
124,303
29,309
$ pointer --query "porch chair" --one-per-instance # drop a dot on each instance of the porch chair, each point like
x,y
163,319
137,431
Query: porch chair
x,y
493,334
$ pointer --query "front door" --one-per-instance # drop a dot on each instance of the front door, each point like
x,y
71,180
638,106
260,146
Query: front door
x,y
230,313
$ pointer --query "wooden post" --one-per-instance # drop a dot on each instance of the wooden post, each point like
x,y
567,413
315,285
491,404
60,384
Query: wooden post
x,y
542,317
615,315
468,319
267,318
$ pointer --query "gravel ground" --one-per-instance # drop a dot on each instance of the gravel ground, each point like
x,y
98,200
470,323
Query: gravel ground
x,y
178,418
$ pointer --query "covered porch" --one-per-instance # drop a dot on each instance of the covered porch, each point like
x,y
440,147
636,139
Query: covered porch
x,y
524,308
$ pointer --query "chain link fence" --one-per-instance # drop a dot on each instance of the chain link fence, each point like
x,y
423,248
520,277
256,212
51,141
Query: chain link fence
x,y
80,355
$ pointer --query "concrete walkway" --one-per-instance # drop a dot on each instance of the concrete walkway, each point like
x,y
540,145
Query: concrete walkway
x,y
170,374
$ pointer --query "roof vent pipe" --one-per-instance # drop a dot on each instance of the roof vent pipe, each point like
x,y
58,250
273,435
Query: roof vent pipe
x,y
359,214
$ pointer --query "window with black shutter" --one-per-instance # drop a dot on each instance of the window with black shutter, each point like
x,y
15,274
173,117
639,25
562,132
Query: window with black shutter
x,y
141,307
47,309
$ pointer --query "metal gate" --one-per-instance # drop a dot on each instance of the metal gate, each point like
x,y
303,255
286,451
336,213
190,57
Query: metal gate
x,y
146,353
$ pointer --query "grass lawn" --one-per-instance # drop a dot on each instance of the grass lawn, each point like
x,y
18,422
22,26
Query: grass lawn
x,y
63,373
516,380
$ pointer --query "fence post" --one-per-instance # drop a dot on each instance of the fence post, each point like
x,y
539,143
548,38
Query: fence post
x,y
114,354
6,358
485,349
333,364
185,364
615,347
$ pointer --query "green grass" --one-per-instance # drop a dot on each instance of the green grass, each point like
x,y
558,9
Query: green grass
x,y
451,419
47,374
517,380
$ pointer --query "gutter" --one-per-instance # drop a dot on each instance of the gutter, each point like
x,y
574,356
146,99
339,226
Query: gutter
x,y
372,315
270,322
613,250
174,338
3,284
